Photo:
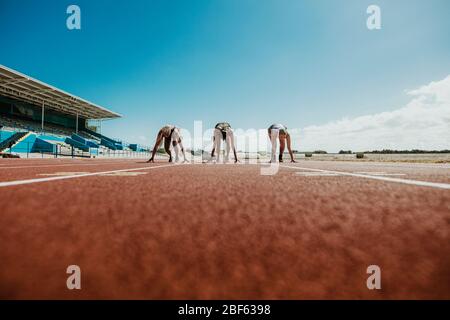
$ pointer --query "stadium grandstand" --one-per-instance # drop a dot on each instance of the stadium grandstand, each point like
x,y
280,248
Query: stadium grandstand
x,y
39,119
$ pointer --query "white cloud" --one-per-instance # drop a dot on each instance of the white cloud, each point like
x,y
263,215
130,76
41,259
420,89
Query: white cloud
x,y
424,123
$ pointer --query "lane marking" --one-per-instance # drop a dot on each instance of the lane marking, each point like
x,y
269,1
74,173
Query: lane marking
x,y
405,165
366,176
62,174
316,174
65,165
39,180
330,174
113,174
381,173
123,174
412,165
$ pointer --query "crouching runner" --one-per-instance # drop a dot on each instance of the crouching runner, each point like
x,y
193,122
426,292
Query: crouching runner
x,y
223,132
171,136
279,132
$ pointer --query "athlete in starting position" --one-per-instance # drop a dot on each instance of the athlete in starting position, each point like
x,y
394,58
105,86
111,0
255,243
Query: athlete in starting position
x,y
171,135
279,131
223,132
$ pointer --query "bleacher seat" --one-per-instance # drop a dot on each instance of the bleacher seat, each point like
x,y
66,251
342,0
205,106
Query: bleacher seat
x,y
55,137
77,144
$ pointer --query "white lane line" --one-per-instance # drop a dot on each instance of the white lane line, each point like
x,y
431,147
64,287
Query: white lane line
x,y
115,174
316,174
394,165
381,173
366,176
64,165
58,174
39,180
329,174
123,174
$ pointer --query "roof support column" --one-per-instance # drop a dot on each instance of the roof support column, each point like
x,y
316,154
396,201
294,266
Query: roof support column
x,y
76,124
42,117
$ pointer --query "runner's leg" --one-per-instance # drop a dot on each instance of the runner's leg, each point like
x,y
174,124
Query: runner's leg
x,y
167,148
217,141
274,134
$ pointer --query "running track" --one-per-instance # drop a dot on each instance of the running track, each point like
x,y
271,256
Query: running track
x,y
159,231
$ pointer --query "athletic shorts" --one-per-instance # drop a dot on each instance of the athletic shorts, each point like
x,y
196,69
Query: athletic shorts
x,y
223,127
280,127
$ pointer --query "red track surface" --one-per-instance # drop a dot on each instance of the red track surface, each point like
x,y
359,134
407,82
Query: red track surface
x,y
223,231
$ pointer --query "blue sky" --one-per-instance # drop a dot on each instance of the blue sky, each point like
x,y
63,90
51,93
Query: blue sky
x,y
250,62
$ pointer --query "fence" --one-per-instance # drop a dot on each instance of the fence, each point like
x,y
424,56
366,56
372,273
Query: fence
x,y
37,149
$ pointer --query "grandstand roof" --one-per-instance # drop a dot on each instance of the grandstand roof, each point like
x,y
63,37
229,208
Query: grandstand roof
x,y
22,87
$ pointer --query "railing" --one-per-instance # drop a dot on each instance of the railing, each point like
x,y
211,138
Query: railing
x,y
46,150
47,130
30,151
11,141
